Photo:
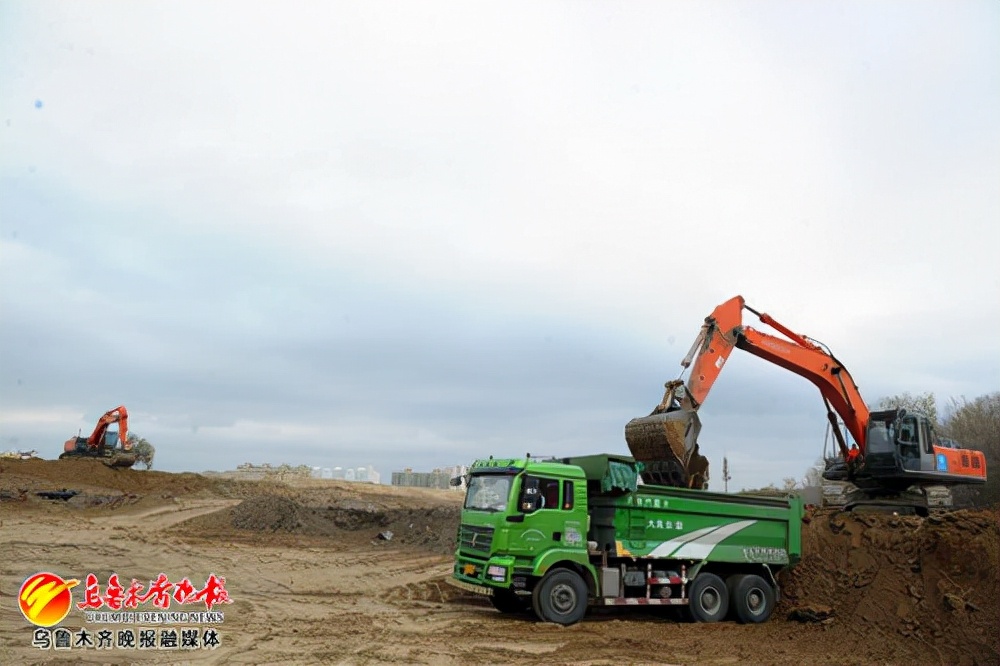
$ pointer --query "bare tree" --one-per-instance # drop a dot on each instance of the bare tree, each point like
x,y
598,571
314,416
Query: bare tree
x,y
975,424
143,451
925,403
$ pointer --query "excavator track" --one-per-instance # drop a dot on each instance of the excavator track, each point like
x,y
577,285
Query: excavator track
x,y
906,502
116,459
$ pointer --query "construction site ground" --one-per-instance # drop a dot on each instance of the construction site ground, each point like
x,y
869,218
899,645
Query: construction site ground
x,y
312,582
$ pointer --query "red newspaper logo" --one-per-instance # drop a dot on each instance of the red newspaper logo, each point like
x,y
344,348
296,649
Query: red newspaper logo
x,y
160,593
132,594
214,592
91,594
114,594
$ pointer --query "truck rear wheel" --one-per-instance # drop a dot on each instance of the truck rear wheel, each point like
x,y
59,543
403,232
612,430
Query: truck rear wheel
x,y
708,598
506,601
752,599
560,597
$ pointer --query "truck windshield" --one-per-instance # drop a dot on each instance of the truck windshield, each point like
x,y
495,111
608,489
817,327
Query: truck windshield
x,y
488,492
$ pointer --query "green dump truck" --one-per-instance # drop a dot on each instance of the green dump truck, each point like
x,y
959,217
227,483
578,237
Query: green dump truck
x,y
557,536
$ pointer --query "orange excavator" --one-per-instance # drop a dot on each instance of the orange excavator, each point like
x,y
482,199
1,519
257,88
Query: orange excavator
x,y
895,450
116,453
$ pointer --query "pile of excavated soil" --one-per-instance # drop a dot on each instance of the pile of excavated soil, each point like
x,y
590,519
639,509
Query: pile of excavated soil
x,y
88,476
21,479
266,514
430,528
926,589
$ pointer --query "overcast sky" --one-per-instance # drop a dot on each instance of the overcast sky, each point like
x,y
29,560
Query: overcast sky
x,y
412,234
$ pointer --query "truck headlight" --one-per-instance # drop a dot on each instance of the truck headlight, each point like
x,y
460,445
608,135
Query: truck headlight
x,y
497,573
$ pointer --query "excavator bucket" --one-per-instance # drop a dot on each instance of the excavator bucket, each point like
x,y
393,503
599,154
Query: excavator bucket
x,y
666,442
119,459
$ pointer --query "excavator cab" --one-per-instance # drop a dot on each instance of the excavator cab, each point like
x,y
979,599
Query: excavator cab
x,y
903,449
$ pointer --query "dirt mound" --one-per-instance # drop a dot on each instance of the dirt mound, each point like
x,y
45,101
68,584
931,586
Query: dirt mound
x,y
98,484
431,528
267,514
921,588
84,474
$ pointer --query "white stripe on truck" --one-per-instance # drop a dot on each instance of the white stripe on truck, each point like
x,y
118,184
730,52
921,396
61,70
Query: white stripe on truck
x,y
699,544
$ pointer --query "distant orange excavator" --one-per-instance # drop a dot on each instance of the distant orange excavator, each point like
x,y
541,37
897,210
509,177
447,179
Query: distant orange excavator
x,y
116,453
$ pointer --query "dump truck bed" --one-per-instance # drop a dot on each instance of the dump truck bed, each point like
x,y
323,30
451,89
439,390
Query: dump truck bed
x,y
642,520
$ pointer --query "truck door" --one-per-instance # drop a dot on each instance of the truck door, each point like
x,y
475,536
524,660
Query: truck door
x,y
543,518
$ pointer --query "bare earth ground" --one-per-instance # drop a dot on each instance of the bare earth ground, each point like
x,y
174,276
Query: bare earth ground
x,y
312,583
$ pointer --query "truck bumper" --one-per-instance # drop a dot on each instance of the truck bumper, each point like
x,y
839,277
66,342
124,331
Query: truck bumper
x,y
469,587
487,575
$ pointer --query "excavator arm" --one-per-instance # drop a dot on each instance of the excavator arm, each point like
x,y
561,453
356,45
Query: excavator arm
x,y
723,330
666,440
117,415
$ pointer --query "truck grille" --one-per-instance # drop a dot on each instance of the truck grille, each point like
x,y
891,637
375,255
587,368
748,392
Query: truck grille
x,y
474,537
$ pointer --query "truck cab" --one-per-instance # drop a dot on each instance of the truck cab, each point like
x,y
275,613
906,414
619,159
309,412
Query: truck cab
x,y
519,517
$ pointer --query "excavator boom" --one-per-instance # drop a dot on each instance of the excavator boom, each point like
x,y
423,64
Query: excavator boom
x,y
117,415
723,330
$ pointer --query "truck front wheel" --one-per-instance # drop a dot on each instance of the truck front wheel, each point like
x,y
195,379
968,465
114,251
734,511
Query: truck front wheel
x,y
752,599
708,598
560,597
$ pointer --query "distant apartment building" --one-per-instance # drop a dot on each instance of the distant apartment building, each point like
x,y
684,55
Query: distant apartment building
x,y
439,478
367,474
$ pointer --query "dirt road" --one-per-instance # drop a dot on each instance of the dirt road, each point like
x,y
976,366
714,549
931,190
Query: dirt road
x,y
311,581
